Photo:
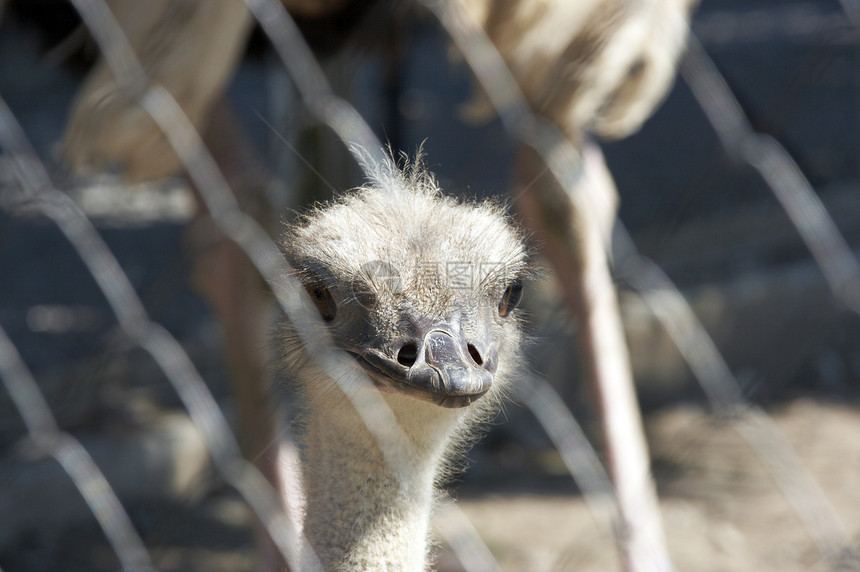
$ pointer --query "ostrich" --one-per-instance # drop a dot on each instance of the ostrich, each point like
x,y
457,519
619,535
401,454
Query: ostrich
x,y
439,347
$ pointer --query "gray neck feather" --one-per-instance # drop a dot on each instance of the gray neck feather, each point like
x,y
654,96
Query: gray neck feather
x,y
363,513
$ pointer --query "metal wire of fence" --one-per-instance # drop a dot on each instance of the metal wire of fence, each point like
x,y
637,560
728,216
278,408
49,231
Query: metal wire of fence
x,y
829,250
133,83
785,179
804,208
661,295
576,451
723,391
460,534
637,522
852,10
161,345
73,457
241,228
665,300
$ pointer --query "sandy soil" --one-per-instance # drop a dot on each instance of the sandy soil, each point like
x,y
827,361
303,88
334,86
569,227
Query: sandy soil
x,y
722,510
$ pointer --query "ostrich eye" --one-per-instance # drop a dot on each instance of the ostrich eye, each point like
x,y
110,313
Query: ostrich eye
x,y
511,298
323,300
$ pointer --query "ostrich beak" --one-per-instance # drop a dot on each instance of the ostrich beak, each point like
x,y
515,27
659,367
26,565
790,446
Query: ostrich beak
x,y
443,369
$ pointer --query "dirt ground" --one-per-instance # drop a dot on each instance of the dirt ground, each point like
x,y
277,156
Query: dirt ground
x,y
722,511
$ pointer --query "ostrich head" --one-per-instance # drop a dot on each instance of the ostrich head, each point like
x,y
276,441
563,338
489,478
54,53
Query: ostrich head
x,y
419,289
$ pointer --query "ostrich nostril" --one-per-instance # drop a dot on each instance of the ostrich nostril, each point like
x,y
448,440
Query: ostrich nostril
x,y
476,355
408,354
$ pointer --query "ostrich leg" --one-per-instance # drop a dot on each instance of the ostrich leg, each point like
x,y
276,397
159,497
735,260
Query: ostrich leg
x,y
574,236
237,295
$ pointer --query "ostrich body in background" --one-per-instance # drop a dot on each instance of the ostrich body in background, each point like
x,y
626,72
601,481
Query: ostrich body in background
x,y
419,291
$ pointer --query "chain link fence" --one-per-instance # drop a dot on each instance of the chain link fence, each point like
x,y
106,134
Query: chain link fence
x,y
28,187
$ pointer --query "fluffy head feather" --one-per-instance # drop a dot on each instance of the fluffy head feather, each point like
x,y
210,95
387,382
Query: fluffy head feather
x,y
397,249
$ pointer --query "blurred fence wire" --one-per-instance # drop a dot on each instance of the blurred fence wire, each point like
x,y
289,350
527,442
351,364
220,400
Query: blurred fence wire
x,y
637,523
664,299
723,391
463,539
576,451
852,10
75,460
829,250
132,317
37,190
133,83
241,228
778,169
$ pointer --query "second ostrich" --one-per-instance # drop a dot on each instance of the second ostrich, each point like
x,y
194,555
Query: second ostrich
x,y
419,291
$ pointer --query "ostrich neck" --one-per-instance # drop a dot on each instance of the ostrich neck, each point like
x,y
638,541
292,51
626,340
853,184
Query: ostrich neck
x,y
364,513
